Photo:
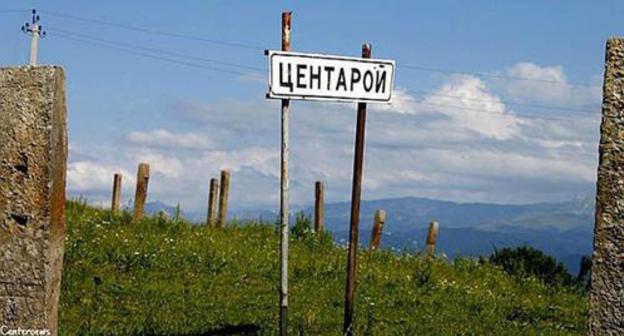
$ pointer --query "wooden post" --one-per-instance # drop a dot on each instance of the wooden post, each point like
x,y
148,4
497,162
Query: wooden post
x,y
116,199
606,309
284,200
223,197
432,236
378,223
355,210
33,162
319,208
141,191
212,203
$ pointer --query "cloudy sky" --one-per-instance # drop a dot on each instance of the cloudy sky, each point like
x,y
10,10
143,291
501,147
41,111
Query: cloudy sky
x,y
494,101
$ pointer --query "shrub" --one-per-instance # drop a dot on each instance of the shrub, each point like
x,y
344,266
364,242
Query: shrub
x,y
526,262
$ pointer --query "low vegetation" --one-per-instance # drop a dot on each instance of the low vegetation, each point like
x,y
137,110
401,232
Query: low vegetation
x,y
527,262
167,277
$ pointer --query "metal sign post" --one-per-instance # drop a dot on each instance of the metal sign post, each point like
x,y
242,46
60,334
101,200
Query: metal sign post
x,y
356,193
284,211
329,78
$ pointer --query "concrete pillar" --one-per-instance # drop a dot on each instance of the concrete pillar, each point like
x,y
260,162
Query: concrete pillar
x,y
606,300
33,159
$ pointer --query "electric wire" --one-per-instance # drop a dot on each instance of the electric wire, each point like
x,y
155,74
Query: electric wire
x,y
155,50
259,48
148,55
483,74
195,65
151,53
156,32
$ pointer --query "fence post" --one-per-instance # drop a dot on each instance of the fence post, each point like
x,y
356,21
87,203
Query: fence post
x,y
116,199
212,203
33,162
432,236
319,208
141,191
223,197
378,224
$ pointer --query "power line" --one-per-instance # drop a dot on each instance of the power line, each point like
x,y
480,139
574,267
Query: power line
x,y
259,48
148,55
506,102
9,11
482,74
156,32
195,65
524,115
419,92
155,50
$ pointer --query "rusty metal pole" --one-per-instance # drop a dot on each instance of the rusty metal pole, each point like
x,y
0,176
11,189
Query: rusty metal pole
x,y
116,199
212,203
432,236
223,197
355,209
284,204
319,208
141,191
378,224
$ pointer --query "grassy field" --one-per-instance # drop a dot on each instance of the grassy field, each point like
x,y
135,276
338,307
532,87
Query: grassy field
x,y
167,277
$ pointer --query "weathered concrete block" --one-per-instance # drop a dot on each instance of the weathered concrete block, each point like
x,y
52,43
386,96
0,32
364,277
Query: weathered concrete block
x,y
606,301
33,154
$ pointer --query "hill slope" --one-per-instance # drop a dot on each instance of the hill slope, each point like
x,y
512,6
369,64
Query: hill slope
x,y
408,213
563,230
170,278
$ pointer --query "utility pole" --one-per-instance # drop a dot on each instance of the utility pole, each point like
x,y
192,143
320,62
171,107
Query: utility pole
x,y
35,30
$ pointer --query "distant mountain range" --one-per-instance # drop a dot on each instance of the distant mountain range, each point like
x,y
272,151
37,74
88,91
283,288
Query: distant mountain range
x,y
563,230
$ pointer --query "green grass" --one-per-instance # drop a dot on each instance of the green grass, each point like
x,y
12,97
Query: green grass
x,y
168,277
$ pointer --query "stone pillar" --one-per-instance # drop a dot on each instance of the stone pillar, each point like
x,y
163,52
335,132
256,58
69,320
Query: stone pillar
x,y
33,159
606,300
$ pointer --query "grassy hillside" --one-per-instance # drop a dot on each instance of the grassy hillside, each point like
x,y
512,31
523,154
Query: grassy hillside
x,y
167,277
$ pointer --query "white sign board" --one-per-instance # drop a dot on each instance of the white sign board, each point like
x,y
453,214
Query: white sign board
x,y
324,77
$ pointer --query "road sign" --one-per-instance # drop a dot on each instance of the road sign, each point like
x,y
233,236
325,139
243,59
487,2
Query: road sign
x,y
326,77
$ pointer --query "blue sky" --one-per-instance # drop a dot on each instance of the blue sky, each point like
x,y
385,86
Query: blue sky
x,y
463,137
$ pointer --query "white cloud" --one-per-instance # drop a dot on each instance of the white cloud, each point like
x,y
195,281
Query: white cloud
x,y
88,177
169,165
402,102
460,142
466,104
466,100
545,84
162,138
